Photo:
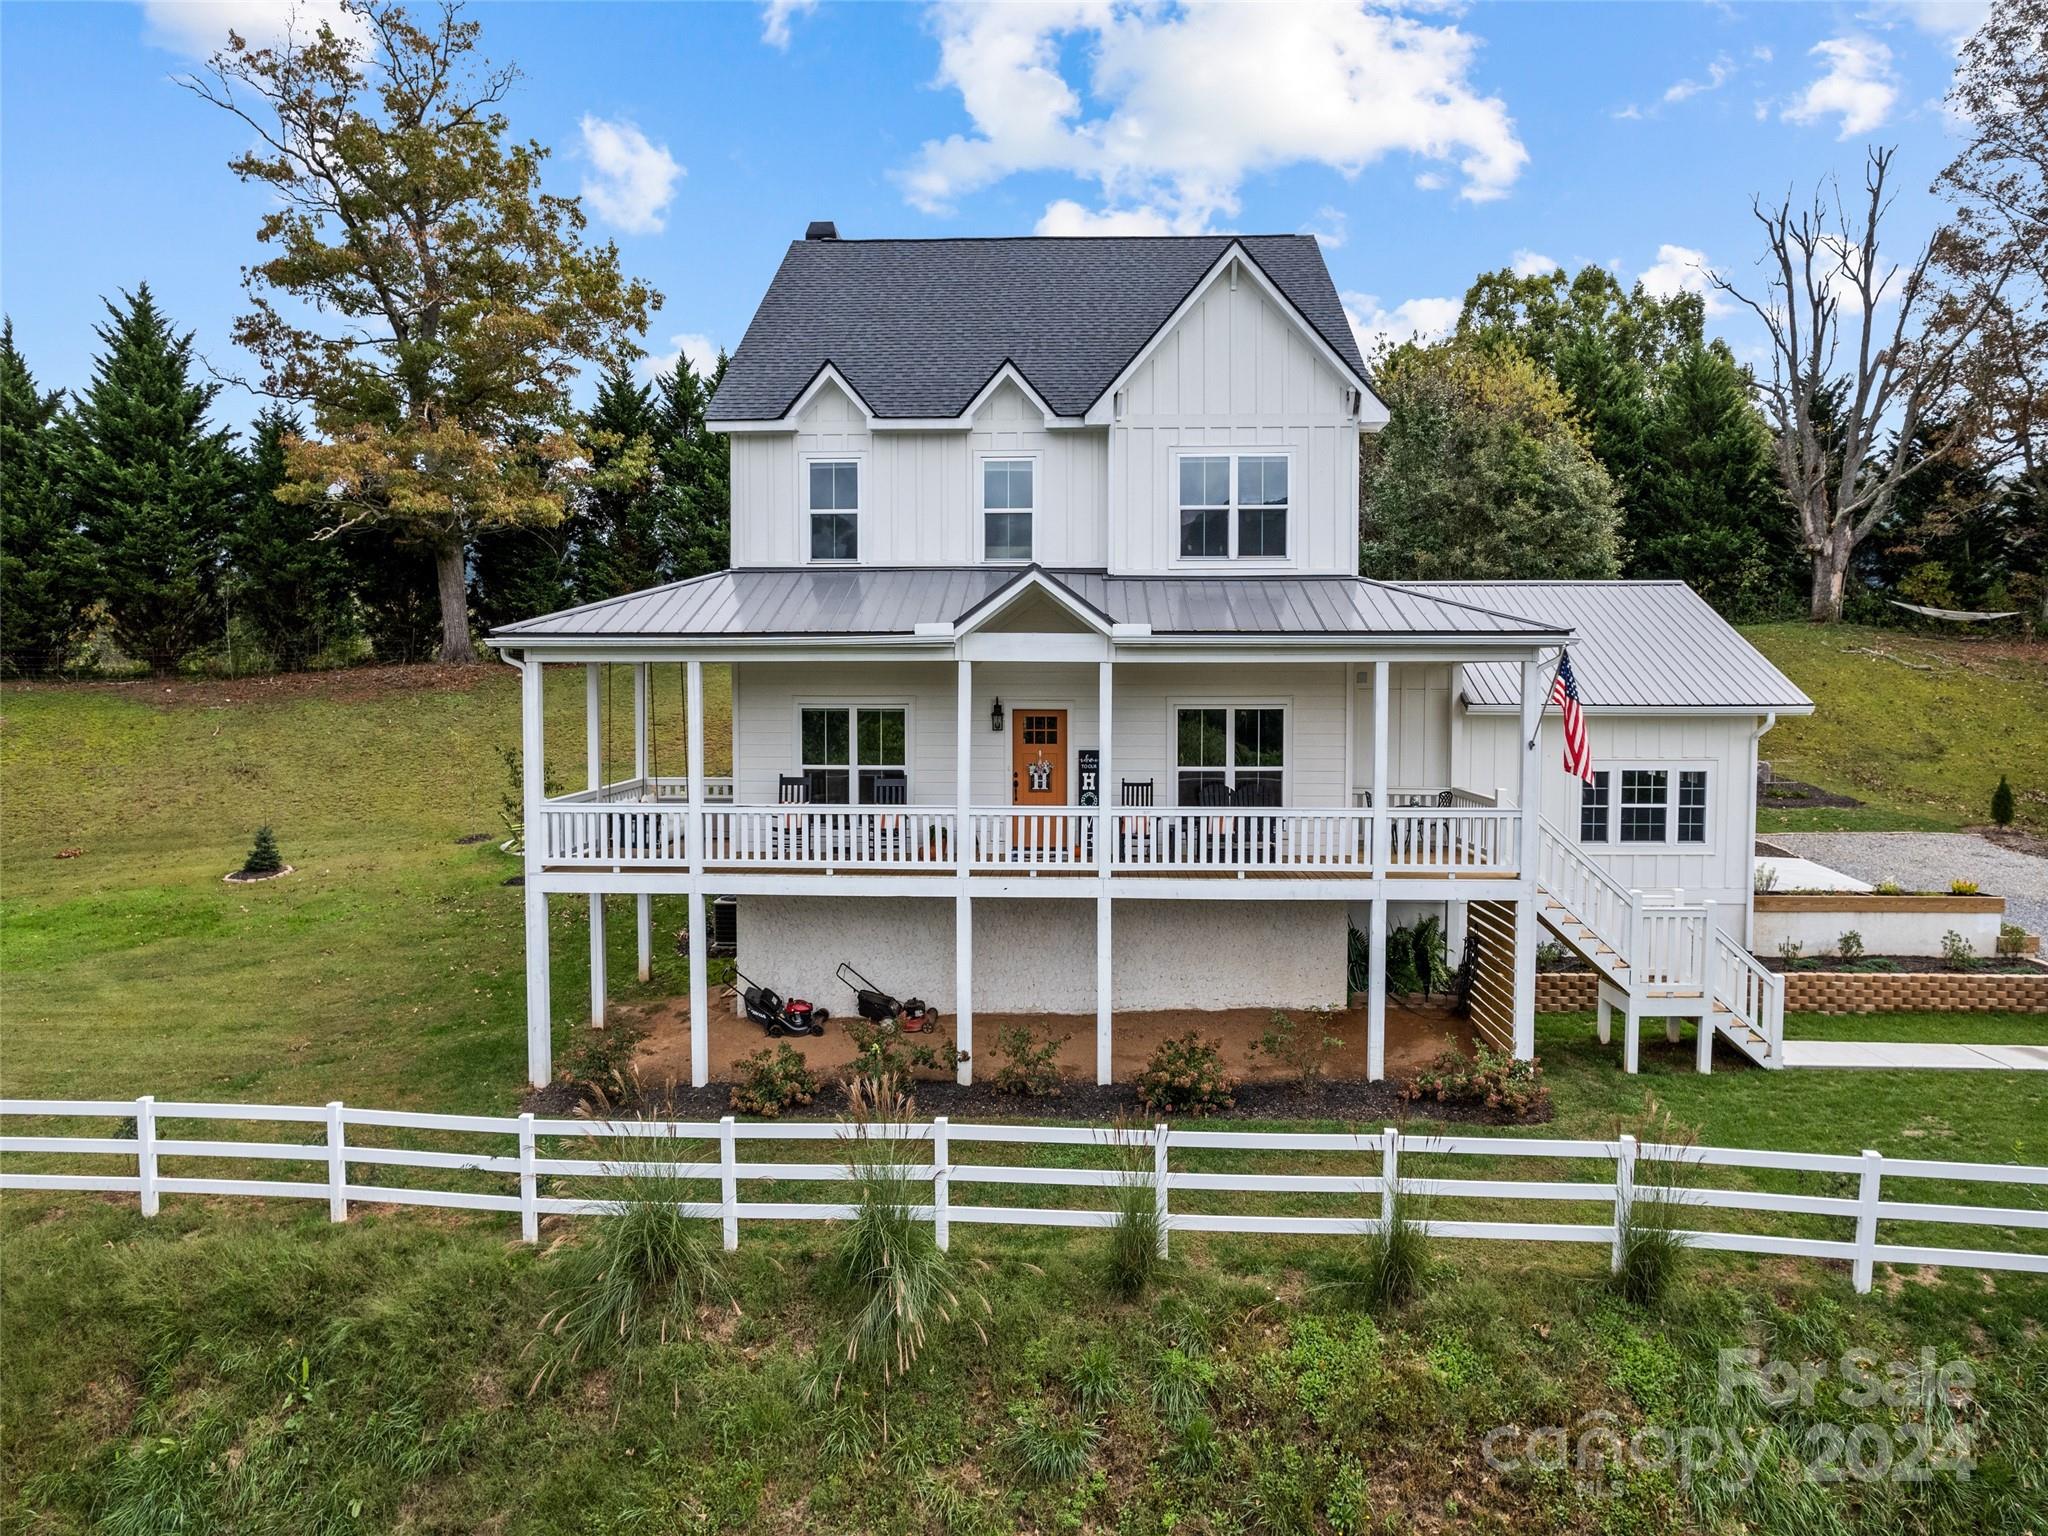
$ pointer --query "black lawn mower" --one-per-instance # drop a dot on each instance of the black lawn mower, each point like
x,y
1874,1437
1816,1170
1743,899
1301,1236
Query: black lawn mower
x,y
912,1015
777,1014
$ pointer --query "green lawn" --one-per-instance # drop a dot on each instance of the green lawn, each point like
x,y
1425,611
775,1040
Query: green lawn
x,y
1918,728
242,1367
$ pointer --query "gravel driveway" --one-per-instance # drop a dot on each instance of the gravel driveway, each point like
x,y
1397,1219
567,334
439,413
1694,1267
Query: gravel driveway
x,y
1928,861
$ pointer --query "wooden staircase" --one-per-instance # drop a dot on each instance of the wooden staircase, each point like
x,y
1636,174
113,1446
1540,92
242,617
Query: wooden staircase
x,y
1657,957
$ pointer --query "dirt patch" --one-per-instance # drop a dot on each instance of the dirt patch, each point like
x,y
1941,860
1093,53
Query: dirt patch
x,y
2018,839
343,685
1793,795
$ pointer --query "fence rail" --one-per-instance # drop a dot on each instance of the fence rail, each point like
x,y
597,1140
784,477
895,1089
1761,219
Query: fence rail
x,y
1145,1154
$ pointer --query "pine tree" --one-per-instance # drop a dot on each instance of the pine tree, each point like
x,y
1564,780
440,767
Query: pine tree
x,y
289,582
694,502
619,550
2001,803
396,592
264,859
151,484
46,567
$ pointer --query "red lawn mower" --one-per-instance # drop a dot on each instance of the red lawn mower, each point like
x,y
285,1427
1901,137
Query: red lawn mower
x,y
912,1015
780,1015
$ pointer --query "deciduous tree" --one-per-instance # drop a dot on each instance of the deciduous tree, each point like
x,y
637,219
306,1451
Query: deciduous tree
x,y
422,293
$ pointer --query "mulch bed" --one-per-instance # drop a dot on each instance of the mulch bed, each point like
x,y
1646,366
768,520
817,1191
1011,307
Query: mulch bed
x,y
1902,965
1792,795
1368,1105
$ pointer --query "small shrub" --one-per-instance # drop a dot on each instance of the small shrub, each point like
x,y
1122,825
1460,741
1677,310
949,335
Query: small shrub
x,y
1027,1062
1403,978
2001,803
1766,879
1303,1053
1432,963
773,1081
1491,1078
1957,950
1962,887
1850,945
1185,1077
1046,1452
1395,1262
1180,1384
2012,939
1095,1379
882,1049
1649,1225
1134,1240
1890,888
599,1064
1789,951
1552,956
264,859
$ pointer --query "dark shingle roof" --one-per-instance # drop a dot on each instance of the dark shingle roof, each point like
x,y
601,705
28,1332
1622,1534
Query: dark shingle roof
x,y
918,327
894,600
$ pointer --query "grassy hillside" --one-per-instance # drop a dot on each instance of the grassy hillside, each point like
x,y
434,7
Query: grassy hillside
x,y
1919,728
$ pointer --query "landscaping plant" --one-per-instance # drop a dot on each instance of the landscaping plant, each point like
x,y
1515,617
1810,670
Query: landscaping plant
x,y
1958,951
1850,945
1045,1451
882,1049
1095,1378
1357,961
2001,803
773,1081
2012,939
888,1258
643,1261
1134,1240
1395,1261
1303,1053
1027,1063
1185,1077
264,859
1649,1237
1494,1079
1962,887
599,1064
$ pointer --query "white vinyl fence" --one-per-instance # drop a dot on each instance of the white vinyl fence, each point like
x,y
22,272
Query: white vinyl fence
x,y
1385,1165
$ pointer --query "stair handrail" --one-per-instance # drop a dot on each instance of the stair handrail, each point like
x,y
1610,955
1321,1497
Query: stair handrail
x,y
1751,992
1610,909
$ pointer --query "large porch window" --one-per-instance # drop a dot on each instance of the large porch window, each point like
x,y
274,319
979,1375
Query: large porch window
x,y
1230,754
849,749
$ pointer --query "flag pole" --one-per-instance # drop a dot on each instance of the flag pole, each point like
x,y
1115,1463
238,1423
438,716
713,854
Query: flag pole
x,y
1547,693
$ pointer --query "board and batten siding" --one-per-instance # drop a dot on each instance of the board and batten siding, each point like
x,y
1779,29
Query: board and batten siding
x,y
1235,372
1725,745
1418,729
920,491
767,696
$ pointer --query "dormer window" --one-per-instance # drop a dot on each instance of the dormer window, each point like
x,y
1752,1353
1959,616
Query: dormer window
x,y
1233,506
1008,493
834,486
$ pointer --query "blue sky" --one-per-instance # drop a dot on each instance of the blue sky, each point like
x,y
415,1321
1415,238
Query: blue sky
x,y
1425,144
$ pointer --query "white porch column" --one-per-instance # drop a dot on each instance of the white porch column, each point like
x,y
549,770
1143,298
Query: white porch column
x,y
1102,985
643,904
593,737
700,964
963,761
1380,841
1105,860
597,960
540,1066
1529,801
1376,993
963,983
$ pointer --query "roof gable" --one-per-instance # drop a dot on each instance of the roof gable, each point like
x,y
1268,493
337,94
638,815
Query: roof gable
x,y
918,328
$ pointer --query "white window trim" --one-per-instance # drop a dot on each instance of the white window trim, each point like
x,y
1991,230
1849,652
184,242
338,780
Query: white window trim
x,y
1669,843
1233,561
859,461
978,496
852,707
1174,705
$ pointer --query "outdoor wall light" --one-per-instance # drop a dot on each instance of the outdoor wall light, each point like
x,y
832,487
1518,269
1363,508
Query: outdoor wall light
x,y
995,716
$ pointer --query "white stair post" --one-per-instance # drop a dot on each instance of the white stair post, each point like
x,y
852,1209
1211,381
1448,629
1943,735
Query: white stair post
x,y
145,1153
1624,1191
728,1184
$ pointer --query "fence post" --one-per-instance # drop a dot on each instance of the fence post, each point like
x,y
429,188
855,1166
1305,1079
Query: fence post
x,y
529,1186
728,1183
1390,1175
1867,1192
942,1226
145,1152
337,1165
1160,1133
1624,1191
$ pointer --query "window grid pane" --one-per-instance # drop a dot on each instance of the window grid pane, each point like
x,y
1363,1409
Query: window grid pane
x,y
1259,736
1205,507
1692,806
835,536
1006,536
1593,809
1202,738
1645,797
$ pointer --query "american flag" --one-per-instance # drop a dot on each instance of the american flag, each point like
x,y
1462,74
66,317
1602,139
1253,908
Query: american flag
x,y
1564,693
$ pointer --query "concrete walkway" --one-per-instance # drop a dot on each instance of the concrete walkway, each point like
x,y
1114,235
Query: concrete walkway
x,y
1936,1058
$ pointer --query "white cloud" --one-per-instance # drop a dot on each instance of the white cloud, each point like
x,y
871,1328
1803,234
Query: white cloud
x,y
776,16
700,349
634,179
1951,20
1681,269
1534,264
1857,86
1329,226
1192,101
1719,71
1375,327
1064,216
1429,181
199,28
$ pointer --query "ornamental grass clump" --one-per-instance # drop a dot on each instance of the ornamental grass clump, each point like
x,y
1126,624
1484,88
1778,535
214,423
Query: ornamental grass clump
x,y
1649,1237
644,1263
1134,1258
1395,1260
888,1259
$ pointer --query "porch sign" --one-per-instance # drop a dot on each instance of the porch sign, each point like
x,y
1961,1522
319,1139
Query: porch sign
x,y
1090,762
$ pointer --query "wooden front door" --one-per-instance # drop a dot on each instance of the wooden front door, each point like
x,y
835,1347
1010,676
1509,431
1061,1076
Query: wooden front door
x,y
1038,778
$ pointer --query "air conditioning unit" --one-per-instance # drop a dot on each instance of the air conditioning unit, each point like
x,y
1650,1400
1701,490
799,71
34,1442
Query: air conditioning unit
x,y
725,928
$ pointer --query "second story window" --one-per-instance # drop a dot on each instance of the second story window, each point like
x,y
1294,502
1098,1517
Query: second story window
x,y
1233,506
835,509
1007,492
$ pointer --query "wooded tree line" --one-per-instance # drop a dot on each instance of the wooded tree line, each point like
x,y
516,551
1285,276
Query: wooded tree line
x,y
128,522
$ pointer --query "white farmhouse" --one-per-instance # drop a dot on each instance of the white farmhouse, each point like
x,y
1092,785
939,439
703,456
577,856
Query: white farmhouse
x,y
1054,687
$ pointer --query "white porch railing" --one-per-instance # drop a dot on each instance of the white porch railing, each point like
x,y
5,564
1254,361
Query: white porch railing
x,y
1585,890
1052,837
1667,946
498,1164
1456,840
830,836
586,833
1228,837
1753,995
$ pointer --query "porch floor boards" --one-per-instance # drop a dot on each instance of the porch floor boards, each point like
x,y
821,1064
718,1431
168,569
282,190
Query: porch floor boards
x,y
1416,1035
